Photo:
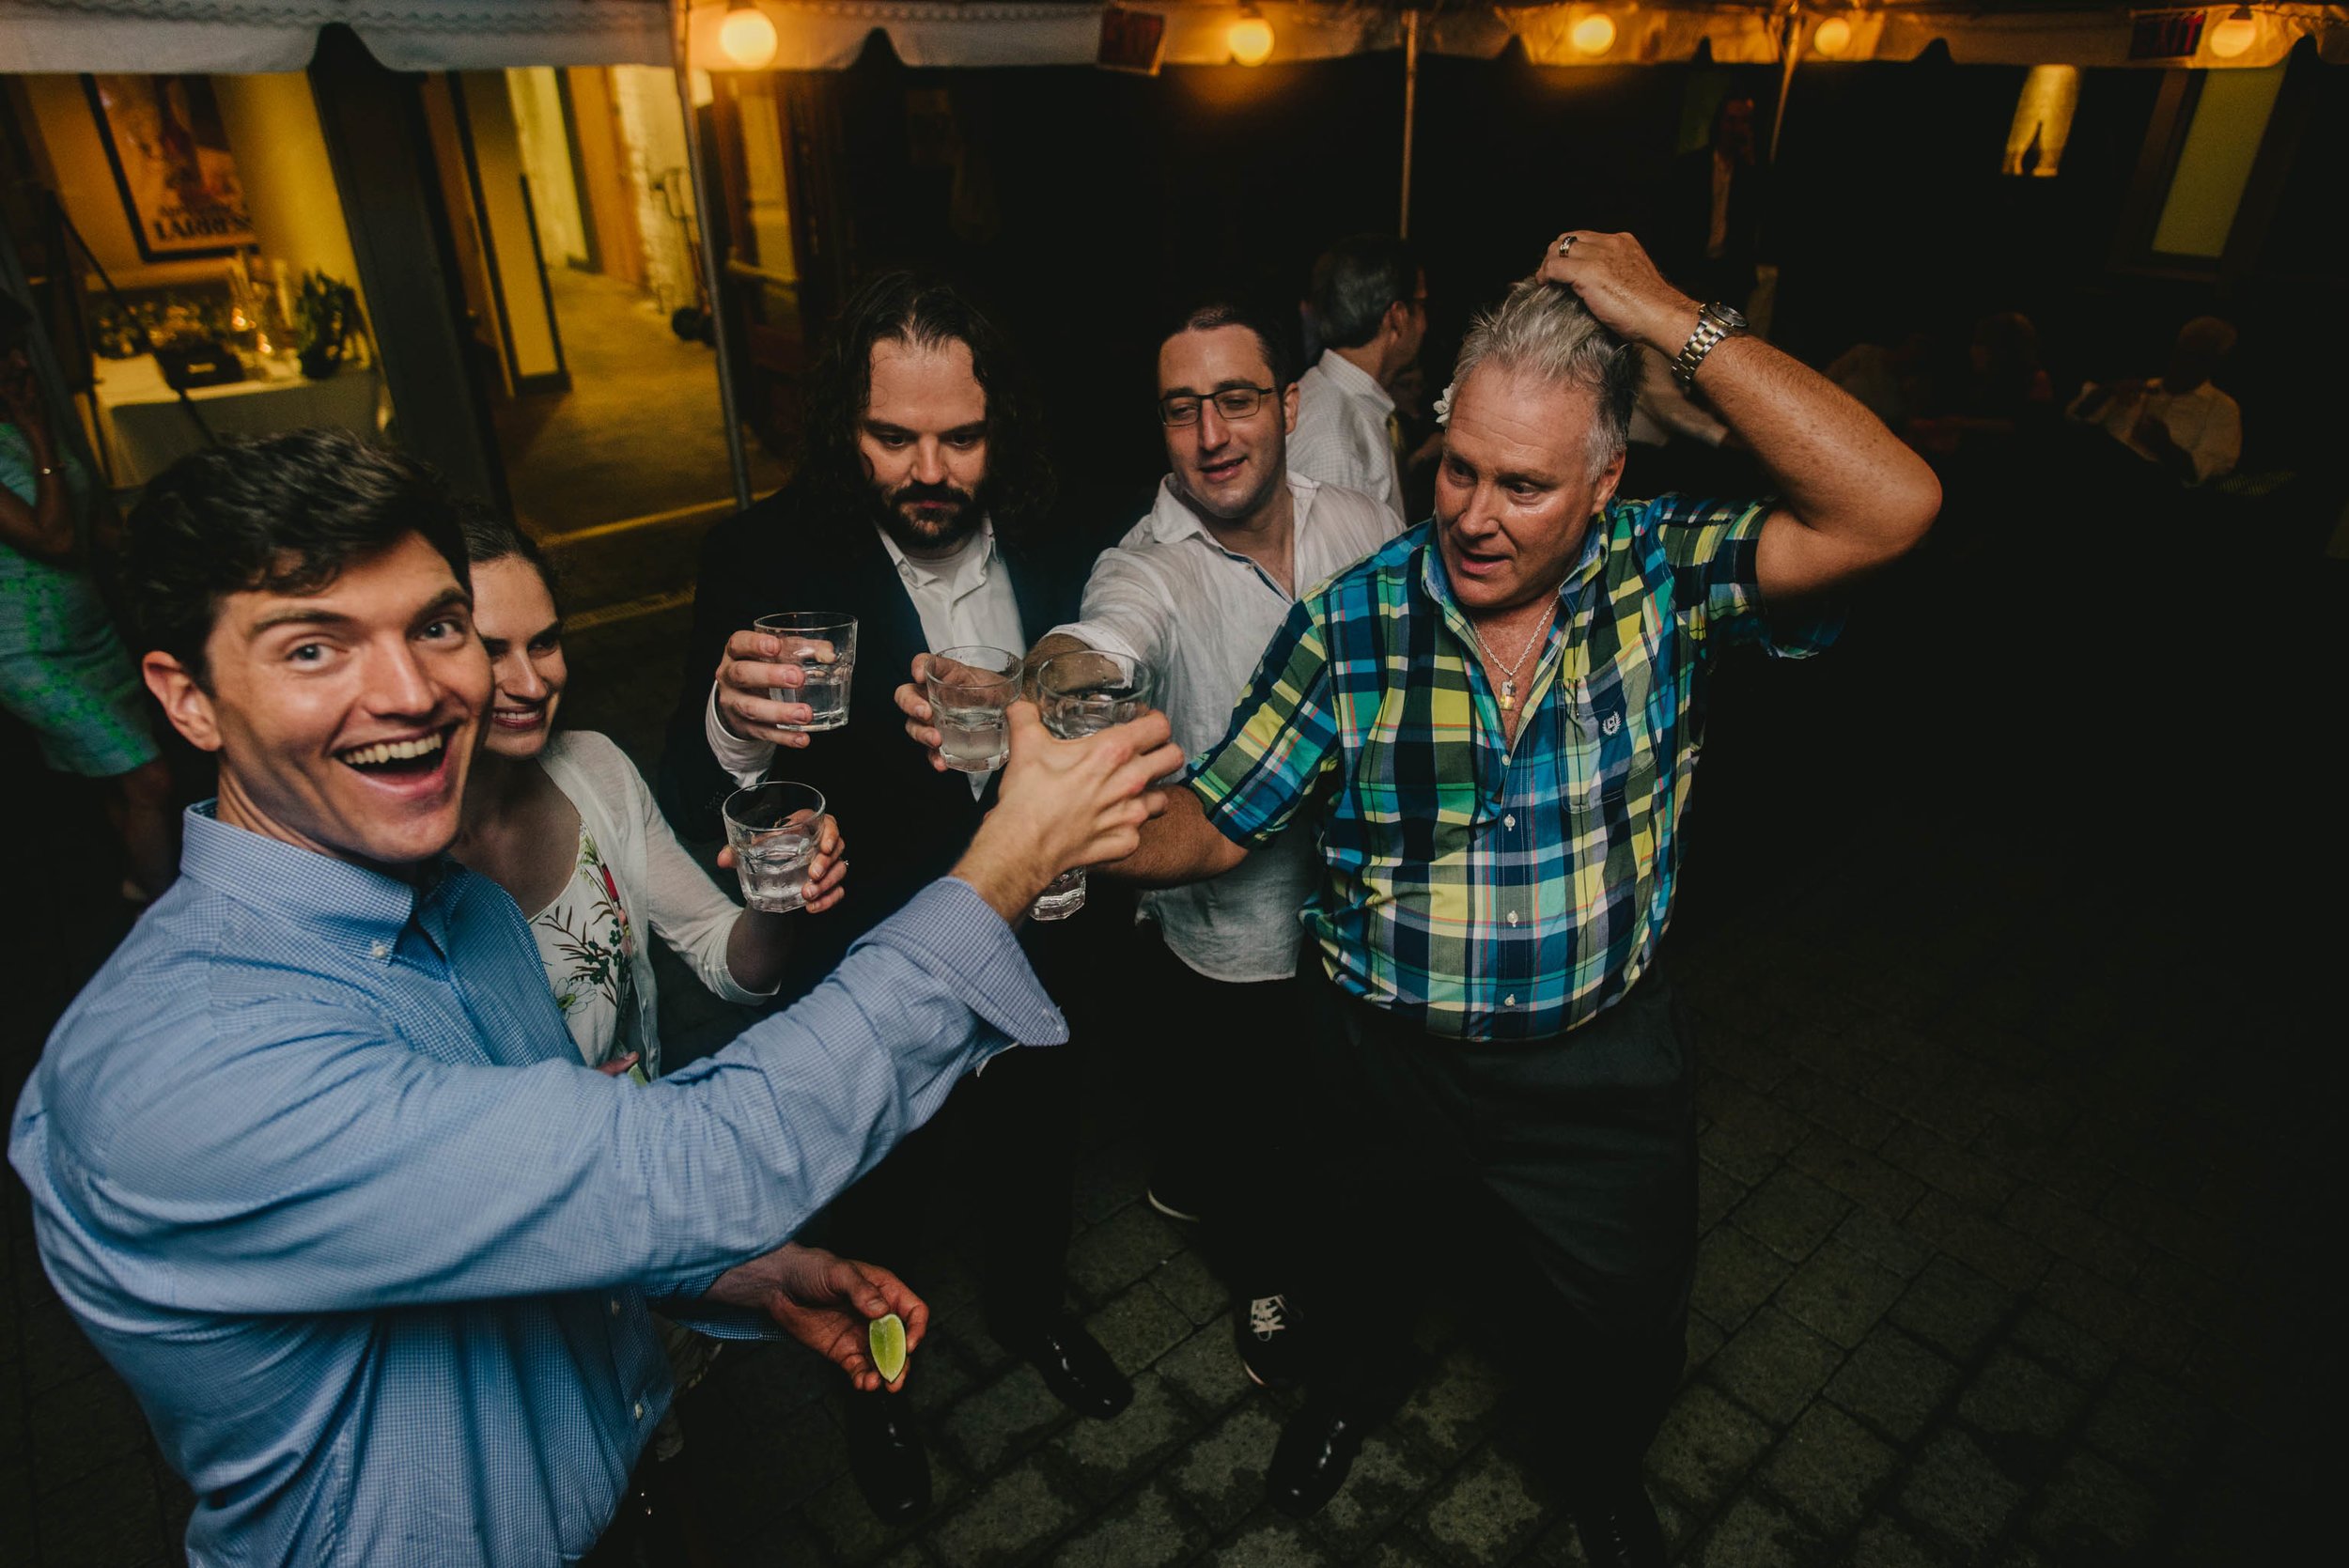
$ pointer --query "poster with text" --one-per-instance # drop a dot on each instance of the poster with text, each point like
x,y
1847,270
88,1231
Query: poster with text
x,y
171,164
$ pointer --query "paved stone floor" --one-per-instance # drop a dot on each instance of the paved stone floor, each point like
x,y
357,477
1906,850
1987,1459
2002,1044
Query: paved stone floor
x,y
2015,1202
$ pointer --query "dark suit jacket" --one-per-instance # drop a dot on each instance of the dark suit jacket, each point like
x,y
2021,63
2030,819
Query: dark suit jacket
x,y
905,824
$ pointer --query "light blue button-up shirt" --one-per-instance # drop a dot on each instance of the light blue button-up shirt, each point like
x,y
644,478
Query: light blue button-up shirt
x,y
315,1165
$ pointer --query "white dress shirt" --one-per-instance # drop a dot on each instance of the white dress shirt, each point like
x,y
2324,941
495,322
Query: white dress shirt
x,y
1342,436
2205,424
1201,614
964,600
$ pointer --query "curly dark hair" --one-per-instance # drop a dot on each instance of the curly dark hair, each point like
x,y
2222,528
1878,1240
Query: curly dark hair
x,y
923,312
283,514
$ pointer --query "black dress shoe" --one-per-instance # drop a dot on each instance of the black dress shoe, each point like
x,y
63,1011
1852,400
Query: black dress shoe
x,y
1311,1461
885,1455
1074,1367
1622,1532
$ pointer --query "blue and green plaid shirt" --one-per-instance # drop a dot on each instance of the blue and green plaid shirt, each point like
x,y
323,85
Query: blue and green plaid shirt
x,y
1486,891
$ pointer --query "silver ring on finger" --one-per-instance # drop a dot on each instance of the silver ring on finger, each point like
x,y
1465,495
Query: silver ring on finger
x,y
1566,243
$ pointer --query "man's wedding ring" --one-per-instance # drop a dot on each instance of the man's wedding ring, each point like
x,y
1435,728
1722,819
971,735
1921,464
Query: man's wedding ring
x,y
1567,243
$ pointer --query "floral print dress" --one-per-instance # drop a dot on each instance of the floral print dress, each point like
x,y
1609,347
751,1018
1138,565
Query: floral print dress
x,y
586,942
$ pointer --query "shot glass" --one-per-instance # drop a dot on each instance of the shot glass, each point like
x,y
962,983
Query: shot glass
x,y
1080,694
773,828
823,644
969,689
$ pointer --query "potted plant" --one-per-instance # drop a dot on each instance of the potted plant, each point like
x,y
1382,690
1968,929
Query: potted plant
x,y
326,319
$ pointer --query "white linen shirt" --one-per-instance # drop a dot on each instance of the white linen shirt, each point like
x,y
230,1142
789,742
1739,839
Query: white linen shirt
x,y
1199,614
964,601
1341,436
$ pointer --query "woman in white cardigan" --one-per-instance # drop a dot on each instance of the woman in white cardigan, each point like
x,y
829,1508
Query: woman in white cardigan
x,y
564,823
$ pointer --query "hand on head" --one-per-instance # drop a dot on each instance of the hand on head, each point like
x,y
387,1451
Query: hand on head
x,y
1611,276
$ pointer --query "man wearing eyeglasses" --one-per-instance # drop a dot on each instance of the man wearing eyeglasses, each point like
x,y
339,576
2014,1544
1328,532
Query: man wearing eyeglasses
x,y
1370,311
1195,590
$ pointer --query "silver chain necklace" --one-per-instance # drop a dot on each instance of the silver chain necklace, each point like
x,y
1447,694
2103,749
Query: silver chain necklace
x,y
1509,676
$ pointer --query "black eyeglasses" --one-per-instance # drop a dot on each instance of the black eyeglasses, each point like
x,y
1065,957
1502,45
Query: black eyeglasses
x,y
1232,402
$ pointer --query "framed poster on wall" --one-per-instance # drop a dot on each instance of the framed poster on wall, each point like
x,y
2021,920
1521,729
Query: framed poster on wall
x,y
171,164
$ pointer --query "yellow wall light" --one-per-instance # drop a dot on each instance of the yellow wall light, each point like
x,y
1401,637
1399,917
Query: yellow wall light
x,y
2237,34
747,37
1833,37
1594,34
1249,39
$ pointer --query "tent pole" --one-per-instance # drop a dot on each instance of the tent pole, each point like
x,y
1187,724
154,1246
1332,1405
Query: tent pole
x,y
1410,106
713,271
1790,42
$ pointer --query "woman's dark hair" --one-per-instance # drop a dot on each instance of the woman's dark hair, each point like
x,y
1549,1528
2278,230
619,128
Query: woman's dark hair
x,y
491,538
923,312
284,514
1211,311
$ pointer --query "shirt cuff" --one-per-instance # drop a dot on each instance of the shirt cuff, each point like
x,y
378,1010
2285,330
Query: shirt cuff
x,y
1098,635
746,760
952,933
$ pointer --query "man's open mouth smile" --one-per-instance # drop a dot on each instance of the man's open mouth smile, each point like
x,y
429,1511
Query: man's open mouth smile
x,y
410,758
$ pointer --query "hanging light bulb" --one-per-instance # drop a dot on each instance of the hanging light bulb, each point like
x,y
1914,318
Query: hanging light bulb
x,y
1594,34
1249,39
747,37
1833,37
2231,38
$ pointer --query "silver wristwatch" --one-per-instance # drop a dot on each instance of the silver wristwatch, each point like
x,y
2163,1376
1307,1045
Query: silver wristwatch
x,y
1714,323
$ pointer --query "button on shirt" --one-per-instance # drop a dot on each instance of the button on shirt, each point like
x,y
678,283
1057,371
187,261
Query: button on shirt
x,y
1372,719
315,1165
1199,614
1342,436
964,601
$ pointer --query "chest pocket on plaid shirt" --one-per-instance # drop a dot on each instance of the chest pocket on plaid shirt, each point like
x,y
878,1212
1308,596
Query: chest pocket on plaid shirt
x,y
1617,733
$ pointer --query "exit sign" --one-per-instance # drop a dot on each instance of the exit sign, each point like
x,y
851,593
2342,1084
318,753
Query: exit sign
x,y
2165,35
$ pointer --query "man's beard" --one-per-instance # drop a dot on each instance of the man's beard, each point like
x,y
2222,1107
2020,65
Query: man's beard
x,y
936,532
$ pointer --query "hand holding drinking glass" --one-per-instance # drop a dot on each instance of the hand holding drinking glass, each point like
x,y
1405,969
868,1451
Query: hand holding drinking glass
x,y
970,691
1079,695
826,873
788,676
775,831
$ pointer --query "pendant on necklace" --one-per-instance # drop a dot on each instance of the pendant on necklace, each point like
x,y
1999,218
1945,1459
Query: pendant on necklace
x,y
1508,696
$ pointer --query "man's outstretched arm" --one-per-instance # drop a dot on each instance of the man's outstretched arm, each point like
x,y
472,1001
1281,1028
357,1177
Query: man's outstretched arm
x,y
1178,846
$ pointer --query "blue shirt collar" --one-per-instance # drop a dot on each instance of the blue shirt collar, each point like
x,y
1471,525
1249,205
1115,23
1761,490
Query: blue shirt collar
x,y
345,904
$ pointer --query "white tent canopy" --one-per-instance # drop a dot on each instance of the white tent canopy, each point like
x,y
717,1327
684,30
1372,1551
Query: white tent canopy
x,y
235,36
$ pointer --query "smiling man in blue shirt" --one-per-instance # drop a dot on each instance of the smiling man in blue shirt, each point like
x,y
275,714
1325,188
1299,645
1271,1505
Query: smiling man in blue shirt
x,y
311,1158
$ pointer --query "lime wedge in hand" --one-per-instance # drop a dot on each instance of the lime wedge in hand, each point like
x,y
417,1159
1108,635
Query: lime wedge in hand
x,y
887,1336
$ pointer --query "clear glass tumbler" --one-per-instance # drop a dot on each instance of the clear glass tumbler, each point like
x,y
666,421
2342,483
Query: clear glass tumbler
x,y
773,828
1080,694
823,644
970,689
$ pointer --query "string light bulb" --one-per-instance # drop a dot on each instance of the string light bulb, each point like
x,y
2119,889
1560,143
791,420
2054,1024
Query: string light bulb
x,y
2237,34
747,37
1833,37
1594,34
1249,38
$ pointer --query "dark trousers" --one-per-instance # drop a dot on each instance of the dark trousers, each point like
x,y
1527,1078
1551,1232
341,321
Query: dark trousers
x,y
1014,1127
1544,1189
1225,1109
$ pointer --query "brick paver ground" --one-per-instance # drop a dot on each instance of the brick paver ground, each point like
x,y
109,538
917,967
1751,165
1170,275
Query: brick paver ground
x,y
2014,1213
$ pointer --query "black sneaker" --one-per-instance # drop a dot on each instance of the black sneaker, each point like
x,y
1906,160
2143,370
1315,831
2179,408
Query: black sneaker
x,y
1265,1329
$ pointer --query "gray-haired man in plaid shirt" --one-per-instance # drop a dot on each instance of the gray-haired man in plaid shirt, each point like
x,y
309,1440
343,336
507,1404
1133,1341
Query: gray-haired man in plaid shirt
x,y
1490,727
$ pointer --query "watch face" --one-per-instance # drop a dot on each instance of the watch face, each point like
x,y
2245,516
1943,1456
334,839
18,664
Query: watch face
x,y
1732,321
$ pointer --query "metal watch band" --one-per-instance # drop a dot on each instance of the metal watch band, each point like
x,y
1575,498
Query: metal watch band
x,y
1711,329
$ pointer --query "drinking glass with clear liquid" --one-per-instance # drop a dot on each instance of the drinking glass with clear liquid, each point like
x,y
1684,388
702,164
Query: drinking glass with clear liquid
x,y
773,828
823,643
970,691
1080,694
